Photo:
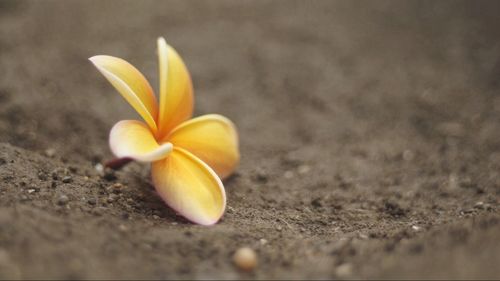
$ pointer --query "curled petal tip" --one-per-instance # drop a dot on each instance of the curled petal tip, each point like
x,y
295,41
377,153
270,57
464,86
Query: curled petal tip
x,y
98,59
133,139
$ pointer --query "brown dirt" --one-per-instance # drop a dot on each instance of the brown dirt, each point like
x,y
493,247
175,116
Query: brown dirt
x,y
370,139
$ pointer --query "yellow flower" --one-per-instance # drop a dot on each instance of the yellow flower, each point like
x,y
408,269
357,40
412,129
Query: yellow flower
x,y
189,157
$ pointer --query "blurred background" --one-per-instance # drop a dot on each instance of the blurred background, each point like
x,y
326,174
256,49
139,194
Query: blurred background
x,y
369,134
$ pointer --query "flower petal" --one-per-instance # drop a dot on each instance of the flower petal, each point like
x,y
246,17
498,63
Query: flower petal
x,y
190,187
133,139
212,138
132,86
176,89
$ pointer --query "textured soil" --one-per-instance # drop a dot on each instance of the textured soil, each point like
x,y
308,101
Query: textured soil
x,y
370,139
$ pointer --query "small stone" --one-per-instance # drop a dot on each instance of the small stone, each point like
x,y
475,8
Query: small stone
x,y
466,211
479,205
117,187
261,175
42,176
416,227
304,169
408,155
245,259
316,202
92,201
62,200
24,198
31,190
288,175
123,228
67,179
155,217
109,174
53,184
344,270
363,236
111,198
50,152
263,241
99,167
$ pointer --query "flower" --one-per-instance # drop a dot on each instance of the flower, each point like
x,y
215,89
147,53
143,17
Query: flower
x,y
189,157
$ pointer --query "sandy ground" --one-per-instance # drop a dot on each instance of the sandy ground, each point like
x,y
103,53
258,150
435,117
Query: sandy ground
x,y
370,139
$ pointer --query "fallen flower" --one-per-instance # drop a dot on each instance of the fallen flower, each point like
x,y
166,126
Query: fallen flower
x,y
189,157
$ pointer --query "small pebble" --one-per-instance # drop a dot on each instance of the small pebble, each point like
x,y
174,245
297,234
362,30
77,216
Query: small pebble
x,y
50,152
117,187
316,202
261,175
245,259
479,205
99,167
263,241
92,201
123,228
111,198
304,169
416,227
42,176
288,175
344,270
363,236
408,155
109,174
62,200
67,179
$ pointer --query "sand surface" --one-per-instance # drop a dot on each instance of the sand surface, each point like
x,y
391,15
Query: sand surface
x,y
370,139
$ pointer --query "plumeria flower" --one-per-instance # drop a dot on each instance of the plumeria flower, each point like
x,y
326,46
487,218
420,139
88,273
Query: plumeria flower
x,y
189,156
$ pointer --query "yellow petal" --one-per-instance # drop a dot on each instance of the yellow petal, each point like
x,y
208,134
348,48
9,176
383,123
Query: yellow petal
x,y
133,139
176,89
212,138
132,86
190,187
